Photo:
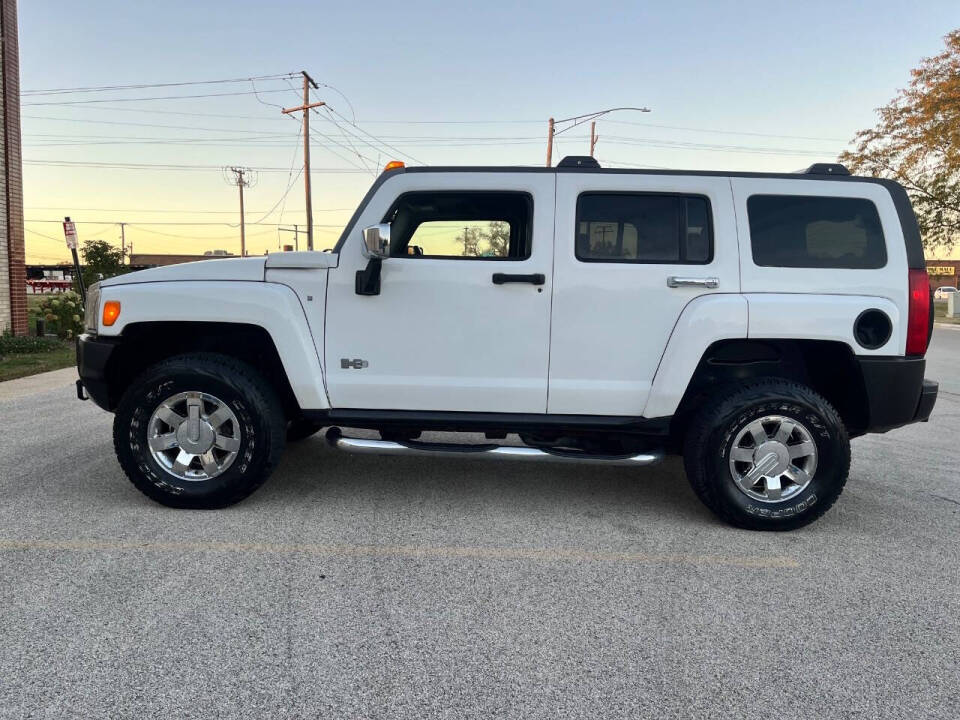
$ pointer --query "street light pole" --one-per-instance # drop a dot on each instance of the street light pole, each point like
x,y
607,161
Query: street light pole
x,y
579,120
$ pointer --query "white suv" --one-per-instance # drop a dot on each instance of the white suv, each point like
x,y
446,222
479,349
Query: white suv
x,y
751,322
942,293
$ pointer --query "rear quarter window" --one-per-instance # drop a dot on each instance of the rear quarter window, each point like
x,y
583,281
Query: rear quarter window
x,y
801,231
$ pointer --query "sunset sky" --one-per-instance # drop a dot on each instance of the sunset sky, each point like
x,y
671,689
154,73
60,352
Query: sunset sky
x,y
768,86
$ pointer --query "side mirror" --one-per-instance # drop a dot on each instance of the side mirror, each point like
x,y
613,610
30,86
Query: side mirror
x,y
376,241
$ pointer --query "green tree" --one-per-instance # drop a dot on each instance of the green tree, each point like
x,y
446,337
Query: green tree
x,y
917,143
101,260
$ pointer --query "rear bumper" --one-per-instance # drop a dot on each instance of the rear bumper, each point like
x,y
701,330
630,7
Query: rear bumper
x,y
897,393
93,359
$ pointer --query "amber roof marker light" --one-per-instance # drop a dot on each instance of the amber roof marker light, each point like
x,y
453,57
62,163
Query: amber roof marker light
x,y
393,165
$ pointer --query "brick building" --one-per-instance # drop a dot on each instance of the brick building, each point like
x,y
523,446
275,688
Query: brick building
x,y
13,293
943,272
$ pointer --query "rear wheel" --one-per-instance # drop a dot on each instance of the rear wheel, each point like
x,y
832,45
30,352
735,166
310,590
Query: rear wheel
x,y
199,431
769,455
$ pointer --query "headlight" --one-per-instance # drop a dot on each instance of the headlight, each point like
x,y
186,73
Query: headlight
x,y
92,310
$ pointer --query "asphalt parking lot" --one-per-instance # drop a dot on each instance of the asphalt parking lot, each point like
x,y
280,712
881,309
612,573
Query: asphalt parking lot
x,y
362,587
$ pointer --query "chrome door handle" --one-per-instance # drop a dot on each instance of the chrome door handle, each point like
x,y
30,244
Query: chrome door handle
x,y
707,282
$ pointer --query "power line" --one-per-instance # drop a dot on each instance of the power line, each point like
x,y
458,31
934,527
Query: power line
x,y
172,166
139,99
179,211
152,125
387,145
164,222
140,86
290,182
725,132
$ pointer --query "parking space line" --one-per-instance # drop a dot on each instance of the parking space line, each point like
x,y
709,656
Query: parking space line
x,y
411,551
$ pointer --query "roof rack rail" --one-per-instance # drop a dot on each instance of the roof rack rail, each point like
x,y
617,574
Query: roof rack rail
x,y
825,169
580,161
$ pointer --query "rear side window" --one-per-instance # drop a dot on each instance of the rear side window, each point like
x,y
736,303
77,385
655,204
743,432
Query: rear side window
x,y
802,231
643,228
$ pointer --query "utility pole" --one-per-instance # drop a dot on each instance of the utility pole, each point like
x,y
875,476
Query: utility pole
x,y
296,235
241,178
593,136
123,243
550,134
305,108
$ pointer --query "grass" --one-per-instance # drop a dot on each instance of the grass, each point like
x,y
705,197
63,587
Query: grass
x,y
55,355
940,313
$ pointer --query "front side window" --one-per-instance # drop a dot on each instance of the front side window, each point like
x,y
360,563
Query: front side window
x,y
461,225
643,228
802,231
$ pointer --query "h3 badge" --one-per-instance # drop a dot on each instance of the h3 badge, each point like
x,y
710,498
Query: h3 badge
x,y
355,364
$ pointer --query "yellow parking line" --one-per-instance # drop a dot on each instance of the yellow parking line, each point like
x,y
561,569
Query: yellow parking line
x,y
411,551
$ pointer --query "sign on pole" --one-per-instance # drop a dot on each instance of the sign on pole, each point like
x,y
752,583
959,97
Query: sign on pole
x,y
70,233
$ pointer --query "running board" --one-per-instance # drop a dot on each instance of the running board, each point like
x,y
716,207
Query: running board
x,y
502,452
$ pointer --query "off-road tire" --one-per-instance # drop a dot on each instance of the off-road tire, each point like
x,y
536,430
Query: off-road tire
x,y
255,404
710,437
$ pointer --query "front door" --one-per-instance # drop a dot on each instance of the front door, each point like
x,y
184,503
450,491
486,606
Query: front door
x,y
462,319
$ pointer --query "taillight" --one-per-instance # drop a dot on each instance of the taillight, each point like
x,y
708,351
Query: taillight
x,y
918,313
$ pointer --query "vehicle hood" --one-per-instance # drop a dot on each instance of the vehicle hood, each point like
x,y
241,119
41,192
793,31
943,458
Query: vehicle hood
x,y
249,269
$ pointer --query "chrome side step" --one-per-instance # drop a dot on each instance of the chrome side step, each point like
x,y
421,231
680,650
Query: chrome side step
x,y
503,452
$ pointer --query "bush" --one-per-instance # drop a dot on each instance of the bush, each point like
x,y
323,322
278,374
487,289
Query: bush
x,y
12,344
63,314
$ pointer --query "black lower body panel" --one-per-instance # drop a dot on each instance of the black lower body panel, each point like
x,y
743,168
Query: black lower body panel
x,y
93,357
897,392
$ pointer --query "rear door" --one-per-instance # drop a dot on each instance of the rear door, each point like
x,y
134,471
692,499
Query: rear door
x,y
462,321
631,251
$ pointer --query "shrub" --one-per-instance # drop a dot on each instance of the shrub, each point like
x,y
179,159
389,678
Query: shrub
x,y
63,313
13,344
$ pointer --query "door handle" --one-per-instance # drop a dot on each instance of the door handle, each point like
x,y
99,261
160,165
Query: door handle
x,y
532,278
675,281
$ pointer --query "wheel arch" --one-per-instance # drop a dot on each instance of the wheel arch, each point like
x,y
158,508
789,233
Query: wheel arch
x,y
828,367
147,343
262,323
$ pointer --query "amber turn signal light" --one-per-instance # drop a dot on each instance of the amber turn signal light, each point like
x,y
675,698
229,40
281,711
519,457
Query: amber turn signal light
x,y
111,311
393,165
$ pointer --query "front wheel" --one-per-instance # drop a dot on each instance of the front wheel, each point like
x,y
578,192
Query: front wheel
x,y
199,431
768,455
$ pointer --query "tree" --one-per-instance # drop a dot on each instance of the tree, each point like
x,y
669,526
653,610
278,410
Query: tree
x,y
470,240
497,238
101,260
917,143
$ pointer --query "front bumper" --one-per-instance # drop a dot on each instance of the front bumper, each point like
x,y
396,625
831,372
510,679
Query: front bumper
x,y
897,393
93,364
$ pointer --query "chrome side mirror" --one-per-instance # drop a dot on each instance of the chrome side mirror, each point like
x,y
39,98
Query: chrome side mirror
x,y
376,241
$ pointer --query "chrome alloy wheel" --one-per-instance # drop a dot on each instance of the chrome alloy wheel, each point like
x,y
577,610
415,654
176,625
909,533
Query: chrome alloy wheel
x,y
773,458
194,436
